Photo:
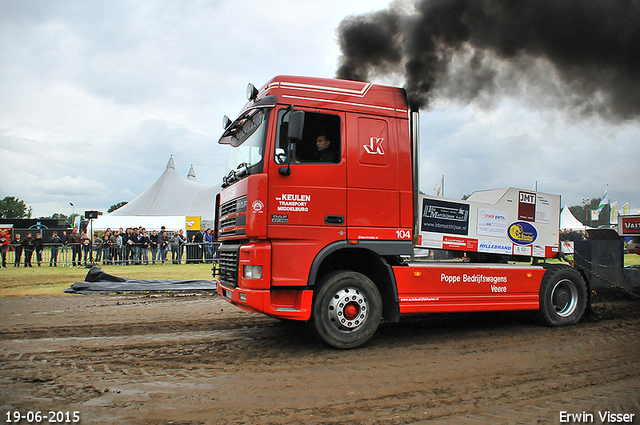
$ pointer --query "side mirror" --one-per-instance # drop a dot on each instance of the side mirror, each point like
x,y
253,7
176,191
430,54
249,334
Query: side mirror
x,y
296,126
294,135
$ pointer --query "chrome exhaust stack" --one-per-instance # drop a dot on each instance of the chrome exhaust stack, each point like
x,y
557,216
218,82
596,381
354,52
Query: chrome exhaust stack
x,y
414,122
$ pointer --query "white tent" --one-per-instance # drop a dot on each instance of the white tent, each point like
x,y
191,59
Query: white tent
x,y
149,222
569,222
192,174
204,201
172,195
168,202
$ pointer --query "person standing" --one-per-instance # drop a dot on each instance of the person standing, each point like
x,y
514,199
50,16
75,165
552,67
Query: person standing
x,y
145,242
163,229
198,239
86,249
134,243
106,248
75,240
153,245
27,245
4,245
65,245
164,245
55,242
124,235
208,241
175,247
116,242
17,249
97,242
38,245
183,242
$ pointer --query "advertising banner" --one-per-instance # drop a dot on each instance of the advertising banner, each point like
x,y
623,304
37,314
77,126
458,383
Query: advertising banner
x,y
506,222
527,206
193,223
614,213
629,225
492,222
445,217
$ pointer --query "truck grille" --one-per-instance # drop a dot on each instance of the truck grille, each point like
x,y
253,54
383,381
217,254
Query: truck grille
x,y
236,232
234,206
232,218
233,222
228,256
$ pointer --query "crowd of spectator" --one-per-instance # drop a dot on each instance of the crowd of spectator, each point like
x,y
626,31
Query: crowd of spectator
x,y
573,235
131,246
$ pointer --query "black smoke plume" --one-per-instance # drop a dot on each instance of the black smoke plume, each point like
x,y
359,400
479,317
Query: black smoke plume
x,y
581,55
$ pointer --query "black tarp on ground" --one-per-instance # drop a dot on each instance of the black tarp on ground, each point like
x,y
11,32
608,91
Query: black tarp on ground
x,y
99,282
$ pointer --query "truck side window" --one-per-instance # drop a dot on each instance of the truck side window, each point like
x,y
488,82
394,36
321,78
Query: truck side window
x,y
320,140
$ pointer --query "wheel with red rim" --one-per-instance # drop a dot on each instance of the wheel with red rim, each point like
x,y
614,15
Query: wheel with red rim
x,y
347,309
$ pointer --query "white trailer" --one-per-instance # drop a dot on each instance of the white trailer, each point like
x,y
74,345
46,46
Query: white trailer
x,y
504,222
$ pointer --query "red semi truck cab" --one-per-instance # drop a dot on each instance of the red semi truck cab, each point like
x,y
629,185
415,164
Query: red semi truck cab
x,y
320,204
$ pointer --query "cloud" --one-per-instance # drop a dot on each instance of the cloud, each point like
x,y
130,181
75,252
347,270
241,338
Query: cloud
x,y
72,187
514,145
95,96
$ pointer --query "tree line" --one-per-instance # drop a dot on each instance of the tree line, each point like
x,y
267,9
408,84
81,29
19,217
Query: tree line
x,y
14,207
583,213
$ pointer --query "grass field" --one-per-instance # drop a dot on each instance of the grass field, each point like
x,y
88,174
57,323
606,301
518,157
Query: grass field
x,y
21,282
632,260
629,260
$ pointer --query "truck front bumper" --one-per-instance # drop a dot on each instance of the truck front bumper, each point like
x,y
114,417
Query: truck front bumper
x,y
294,304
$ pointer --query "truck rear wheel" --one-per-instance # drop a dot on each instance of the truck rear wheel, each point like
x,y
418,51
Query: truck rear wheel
x,y
347,309
563,296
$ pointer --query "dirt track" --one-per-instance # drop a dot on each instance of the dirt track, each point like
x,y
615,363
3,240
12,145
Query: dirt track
x,y
197,360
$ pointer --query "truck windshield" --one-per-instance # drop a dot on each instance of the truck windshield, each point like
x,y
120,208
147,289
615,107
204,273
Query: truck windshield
x,y
247,137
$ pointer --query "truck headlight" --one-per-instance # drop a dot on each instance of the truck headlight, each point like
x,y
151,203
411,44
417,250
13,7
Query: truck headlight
x,y
252,272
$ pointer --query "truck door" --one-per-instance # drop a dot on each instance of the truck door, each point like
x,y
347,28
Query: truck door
x,y
373,194
307,208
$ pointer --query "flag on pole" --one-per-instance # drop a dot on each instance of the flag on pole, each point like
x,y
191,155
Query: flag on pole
x,y
604,201
440,187
626,207
613,219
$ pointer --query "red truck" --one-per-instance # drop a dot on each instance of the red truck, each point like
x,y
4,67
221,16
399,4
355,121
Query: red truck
x,y
320,213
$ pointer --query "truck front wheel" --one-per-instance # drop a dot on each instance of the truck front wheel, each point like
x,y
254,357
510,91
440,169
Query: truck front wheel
x,y
347,309
563,296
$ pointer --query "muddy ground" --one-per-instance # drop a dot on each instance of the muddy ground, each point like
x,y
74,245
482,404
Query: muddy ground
x,y
140,359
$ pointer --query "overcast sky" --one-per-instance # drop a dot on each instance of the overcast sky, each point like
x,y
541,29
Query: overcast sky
x,y
96,95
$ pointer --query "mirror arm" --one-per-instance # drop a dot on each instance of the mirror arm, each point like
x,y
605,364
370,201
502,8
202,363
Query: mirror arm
x,y
291,148
285,171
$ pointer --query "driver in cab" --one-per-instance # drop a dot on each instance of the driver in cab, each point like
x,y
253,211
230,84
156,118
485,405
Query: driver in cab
x,y
325,153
